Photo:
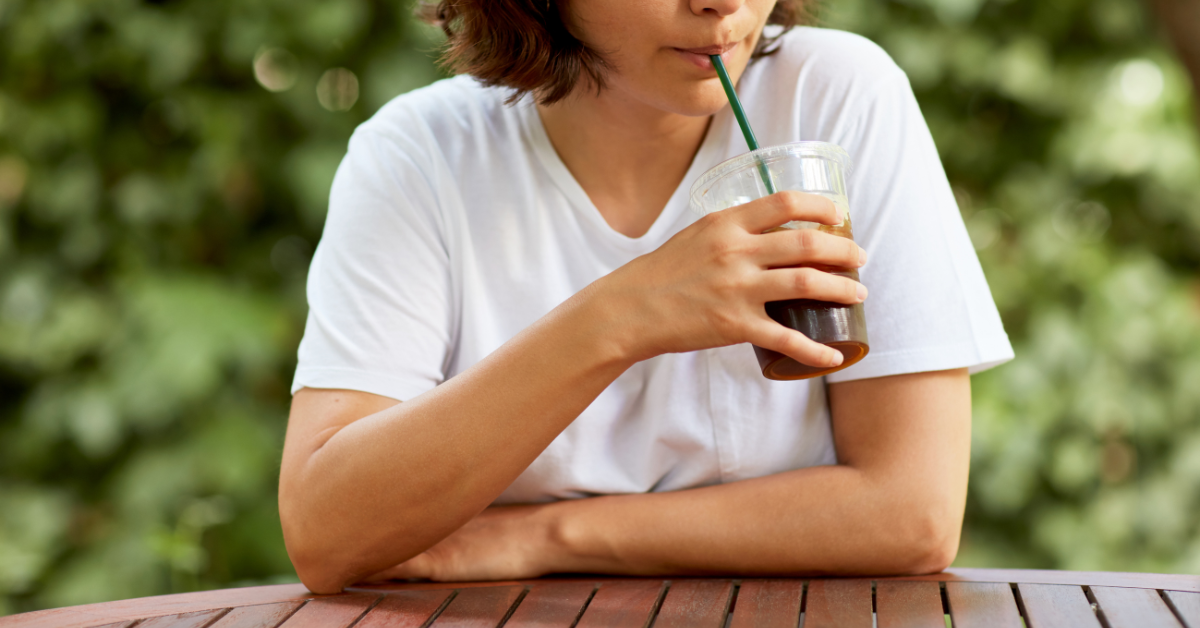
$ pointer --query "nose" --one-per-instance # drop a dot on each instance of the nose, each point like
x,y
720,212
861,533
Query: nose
x,y
720,8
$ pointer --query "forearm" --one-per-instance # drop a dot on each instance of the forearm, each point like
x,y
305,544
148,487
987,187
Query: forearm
x,y
893,504
819,520
362,497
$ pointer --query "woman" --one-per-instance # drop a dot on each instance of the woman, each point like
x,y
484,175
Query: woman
x,y
525,355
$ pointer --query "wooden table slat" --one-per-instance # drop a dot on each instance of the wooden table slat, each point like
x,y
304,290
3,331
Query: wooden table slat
x,y
982,604
1126,599
551,605
1187,605
1173,582
257,616
197,619
1134,608
478,608
768,604
332,612
622,604
405,609
838,604
909,605
1057,605
695,604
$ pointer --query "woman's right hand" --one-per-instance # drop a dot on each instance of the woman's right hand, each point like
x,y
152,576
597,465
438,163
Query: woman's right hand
x,y
706,287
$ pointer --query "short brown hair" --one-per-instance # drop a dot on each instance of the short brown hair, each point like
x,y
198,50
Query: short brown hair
x,y
524,45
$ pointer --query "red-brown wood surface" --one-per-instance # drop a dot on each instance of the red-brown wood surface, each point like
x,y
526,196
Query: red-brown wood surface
x,y
1134,608
333,612
257,616
768,604
975,595
1057,605
838,604
197,619
405,609
695,604
478,608
552,605
982,605
909,605
91,615
622,604
1174,582
1187,606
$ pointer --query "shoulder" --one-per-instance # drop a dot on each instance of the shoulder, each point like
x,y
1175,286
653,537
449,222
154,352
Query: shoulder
x,y
832,54
835,65
445,116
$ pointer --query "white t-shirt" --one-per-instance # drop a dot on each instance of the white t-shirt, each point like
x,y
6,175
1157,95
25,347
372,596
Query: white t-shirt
x,y
453,225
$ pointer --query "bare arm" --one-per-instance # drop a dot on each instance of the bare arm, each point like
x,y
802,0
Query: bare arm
x,y
367,483
892,505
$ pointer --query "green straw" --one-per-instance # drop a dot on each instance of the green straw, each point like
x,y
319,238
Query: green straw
x,y
740,114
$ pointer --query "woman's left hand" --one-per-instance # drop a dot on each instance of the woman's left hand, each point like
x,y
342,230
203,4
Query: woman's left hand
x,y
501,543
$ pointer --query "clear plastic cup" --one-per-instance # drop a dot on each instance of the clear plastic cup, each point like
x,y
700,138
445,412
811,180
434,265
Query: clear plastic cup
x,y
812,167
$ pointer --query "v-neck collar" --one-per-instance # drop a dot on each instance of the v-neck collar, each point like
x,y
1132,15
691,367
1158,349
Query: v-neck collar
x,y
707,156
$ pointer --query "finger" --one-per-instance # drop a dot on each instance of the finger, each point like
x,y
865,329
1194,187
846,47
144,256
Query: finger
x,y
793,247
783,207
780,284
768,334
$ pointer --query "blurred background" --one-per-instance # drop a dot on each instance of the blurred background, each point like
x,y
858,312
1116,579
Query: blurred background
x,y
164,166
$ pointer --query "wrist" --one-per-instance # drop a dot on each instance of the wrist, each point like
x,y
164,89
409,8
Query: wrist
x,y
618,318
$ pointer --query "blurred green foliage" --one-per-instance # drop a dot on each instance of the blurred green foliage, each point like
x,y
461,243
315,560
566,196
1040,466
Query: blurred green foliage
x,y
164,167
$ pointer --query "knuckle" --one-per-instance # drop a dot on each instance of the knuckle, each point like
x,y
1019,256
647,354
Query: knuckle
x,y
713,220
789,343
792,198
722,250
808,239
805,280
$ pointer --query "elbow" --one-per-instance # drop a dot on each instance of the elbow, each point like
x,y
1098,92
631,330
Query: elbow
x,y
927,542
314,565
317,563
319,577
935,555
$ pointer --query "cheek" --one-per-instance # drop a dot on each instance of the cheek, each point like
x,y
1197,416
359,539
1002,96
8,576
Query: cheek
x,y
613,27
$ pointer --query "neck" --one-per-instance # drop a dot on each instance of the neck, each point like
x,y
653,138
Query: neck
x,y
627,156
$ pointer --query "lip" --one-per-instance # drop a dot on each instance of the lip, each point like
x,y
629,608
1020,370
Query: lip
x,y
699,57
718,49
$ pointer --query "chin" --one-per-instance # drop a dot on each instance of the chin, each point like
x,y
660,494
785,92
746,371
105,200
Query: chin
x,y
696,101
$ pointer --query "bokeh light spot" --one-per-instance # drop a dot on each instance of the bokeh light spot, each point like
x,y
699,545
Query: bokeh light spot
x,y
338,89
1141,82
276,69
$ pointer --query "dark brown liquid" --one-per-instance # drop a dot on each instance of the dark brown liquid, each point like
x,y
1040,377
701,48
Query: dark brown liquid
x,y
842,327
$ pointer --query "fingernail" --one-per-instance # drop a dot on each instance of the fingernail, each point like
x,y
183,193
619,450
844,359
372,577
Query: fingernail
x,y
862,256
862,293
837,359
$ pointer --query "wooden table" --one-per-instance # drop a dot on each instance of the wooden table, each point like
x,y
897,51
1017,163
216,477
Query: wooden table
x,y
967,597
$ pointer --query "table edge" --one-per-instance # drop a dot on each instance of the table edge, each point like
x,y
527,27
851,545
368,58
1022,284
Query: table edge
x,y
92,614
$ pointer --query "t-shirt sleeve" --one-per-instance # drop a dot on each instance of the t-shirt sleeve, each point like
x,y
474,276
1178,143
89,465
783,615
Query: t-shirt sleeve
x,y
929,307
379,292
